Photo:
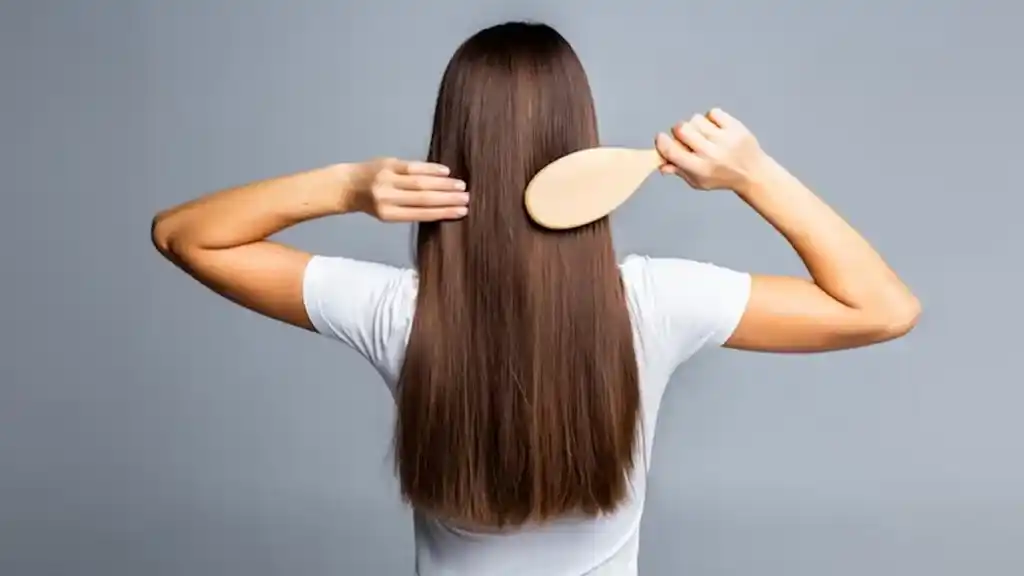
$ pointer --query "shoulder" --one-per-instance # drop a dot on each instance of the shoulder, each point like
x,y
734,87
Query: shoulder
x,y
366,305
681,305
642,270
674,282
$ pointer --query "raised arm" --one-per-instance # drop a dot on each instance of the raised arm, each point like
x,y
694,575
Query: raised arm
x,y
852,299
221,239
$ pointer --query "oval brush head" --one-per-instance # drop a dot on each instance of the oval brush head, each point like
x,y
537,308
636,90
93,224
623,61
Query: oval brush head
x,y
587,185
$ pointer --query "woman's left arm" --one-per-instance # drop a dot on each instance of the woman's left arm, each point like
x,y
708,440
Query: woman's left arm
x,y
221,239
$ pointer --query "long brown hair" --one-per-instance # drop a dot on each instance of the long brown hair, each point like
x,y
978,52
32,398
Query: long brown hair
x,y
518,400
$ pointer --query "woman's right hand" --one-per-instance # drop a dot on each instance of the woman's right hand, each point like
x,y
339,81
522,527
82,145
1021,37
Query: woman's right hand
x,y
394,190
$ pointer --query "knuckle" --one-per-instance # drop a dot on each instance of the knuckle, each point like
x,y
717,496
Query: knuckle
x,y
382,178
381,199
385,164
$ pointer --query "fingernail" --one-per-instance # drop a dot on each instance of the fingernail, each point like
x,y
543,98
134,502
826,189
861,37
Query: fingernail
x,y
443,170
460,185
461,211
464,197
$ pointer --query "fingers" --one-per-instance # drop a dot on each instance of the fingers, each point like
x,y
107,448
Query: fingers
x,y
436,183
413,191
425,198
708,150
691,136
723,119
422,176
399,205
416,168
676,153
706,127
425,192
410,214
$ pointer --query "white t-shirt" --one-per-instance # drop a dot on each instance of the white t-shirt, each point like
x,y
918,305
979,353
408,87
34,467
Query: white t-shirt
x,y
677,307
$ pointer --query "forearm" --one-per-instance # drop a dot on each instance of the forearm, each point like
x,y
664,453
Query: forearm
x,y
253,212
839,259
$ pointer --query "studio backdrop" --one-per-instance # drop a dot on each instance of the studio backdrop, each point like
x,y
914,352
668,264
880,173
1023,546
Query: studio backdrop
x,y
149,428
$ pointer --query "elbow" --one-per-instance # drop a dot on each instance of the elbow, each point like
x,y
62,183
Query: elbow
x,y
161,235
167,235
902,319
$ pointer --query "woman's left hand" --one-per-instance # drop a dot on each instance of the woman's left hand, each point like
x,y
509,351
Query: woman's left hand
x,y
393,190
712,151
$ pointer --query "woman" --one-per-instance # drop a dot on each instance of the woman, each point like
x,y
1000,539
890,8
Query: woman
x,y
528,365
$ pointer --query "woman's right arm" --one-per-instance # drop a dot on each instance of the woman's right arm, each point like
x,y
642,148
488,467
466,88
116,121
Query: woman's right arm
x,y
853,298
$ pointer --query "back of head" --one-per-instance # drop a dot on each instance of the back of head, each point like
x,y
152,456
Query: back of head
x,y
518,400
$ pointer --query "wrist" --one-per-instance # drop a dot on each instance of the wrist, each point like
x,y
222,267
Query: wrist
x,y
761,174
350,185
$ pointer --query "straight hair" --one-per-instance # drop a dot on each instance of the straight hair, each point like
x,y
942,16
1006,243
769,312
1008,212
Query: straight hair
x,y
518,400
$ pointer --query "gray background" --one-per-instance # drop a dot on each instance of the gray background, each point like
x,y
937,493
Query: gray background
x,y
148,428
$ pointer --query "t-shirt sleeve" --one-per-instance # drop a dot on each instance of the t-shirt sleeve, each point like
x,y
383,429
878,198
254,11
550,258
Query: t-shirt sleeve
x,y
365,305
684,305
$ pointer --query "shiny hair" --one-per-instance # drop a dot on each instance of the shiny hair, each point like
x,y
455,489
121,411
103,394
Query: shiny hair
x,y
518,400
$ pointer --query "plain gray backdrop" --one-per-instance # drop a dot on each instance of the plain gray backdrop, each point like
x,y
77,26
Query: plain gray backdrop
x,y
149,428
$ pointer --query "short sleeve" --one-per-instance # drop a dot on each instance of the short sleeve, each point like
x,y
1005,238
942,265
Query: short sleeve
x,y
365,305
684,305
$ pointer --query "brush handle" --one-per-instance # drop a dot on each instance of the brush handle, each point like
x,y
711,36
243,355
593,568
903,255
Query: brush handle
x,y
654,157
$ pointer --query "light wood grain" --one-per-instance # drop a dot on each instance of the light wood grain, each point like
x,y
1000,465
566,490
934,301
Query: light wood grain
x,y
587,185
